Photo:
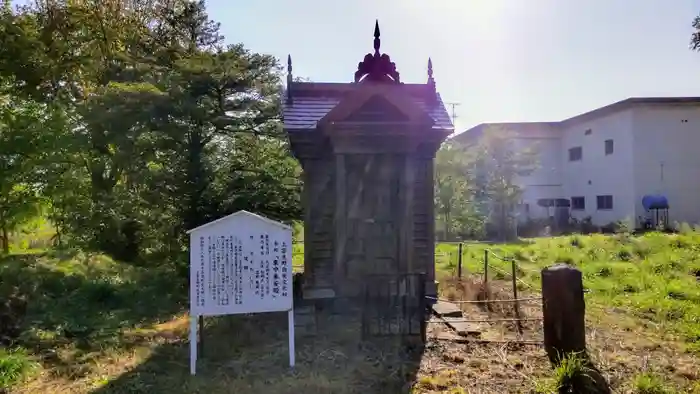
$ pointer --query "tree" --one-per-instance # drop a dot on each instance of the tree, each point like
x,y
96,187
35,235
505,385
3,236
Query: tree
x,y
695,37
27,131
454,193
164,127
500,160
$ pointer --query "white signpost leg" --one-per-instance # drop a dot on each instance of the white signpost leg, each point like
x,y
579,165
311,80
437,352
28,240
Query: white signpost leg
x,y
291,337
193,343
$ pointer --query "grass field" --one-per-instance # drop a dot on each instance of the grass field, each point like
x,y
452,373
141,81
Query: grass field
x,y
92,325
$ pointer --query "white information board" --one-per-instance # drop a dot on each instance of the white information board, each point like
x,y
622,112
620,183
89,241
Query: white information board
x,y
241,263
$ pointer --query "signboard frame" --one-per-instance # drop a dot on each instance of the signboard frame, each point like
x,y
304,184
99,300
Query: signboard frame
x,y
240,264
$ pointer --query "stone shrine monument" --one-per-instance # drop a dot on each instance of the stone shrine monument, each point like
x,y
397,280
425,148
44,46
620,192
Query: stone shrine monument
x,y
367,149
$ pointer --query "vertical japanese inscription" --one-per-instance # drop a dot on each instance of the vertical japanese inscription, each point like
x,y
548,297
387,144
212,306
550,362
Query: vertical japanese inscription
x,y
210,284
225,269
275,269
261,268
267,265
285,266
239,271
199,280
231,276
250,265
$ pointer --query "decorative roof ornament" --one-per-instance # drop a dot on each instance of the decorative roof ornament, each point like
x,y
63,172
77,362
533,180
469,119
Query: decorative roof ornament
x,y
376,67
289,79
431,80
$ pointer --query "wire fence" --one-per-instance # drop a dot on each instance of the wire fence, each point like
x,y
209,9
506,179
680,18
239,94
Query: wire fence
x,y
488,267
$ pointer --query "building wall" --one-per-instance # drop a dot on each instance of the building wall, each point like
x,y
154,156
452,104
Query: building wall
x,y
667,140
655,151
545,180
598,174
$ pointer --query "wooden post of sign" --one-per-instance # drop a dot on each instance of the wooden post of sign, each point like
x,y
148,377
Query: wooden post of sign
x,y
563,311
201,335
193,344
290,322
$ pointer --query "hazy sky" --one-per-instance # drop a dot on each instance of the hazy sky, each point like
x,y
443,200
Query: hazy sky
x,y
501,60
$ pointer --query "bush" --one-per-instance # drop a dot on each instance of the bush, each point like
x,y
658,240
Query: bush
x,y
15,365
12,310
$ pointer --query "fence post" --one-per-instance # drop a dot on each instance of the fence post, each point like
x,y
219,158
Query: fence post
x,y
563,311
486,267
459,262
516,304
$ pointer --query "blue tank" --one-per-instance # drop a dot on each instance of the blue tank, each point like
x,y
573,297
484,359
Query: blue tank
x,y
654,201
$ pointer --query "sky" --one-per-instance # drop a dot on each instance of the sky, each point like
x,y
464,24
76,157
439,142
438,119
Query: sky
x,y
500,60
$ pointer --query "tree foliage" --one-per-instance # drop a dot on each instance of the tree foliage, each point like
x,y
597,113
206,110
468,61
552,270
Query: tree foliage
x,y
156,124
454,190
695,36
477,183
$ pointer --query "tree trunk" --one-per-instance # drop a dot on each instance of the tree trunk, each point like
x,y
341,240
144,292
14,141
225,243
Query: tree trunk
x,y
5,237
57,225
196,182
448,219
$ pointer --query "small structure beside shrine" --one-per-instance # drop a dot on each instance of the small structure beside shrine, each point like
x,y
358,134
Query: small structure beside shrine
x,y
367,149
239,264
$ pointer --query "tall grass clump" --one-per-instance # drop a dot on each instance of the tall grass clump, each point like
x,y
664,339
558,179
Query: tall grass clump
x,y
15,366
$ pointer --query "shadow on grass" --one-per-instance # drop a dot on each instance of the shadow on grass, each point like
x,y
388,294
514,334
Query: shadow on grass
x,y
249,354
81,303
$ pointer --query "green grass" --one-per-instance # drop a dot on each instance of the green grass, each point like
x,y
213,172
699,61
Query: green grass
x,y
646,383
15,365
36,235
77,307
652,278
100,326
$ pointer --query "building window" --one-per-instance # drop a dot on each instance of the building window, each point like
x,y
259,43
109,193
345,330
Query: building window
x,y
609,147
575,154
587,132
605,202
578,203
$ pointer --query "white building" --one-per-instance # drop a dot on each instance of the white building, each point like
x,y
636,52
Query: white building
x,y
606,160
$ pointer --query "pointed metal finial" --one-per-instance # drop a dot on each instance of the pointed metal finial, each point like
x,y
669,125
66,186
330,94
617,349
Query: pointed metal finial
x,y
377,42
431,82
290,78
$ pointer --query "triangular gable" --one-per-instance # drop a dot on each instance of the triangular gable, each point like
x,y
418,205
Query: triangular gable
x,y
377,109
241,213
366,101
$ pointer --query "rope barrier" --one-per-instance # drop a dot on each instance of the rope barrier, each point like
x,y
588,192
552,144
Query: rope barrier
x,y
490,341
486,301
497,256
516,278
457,320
